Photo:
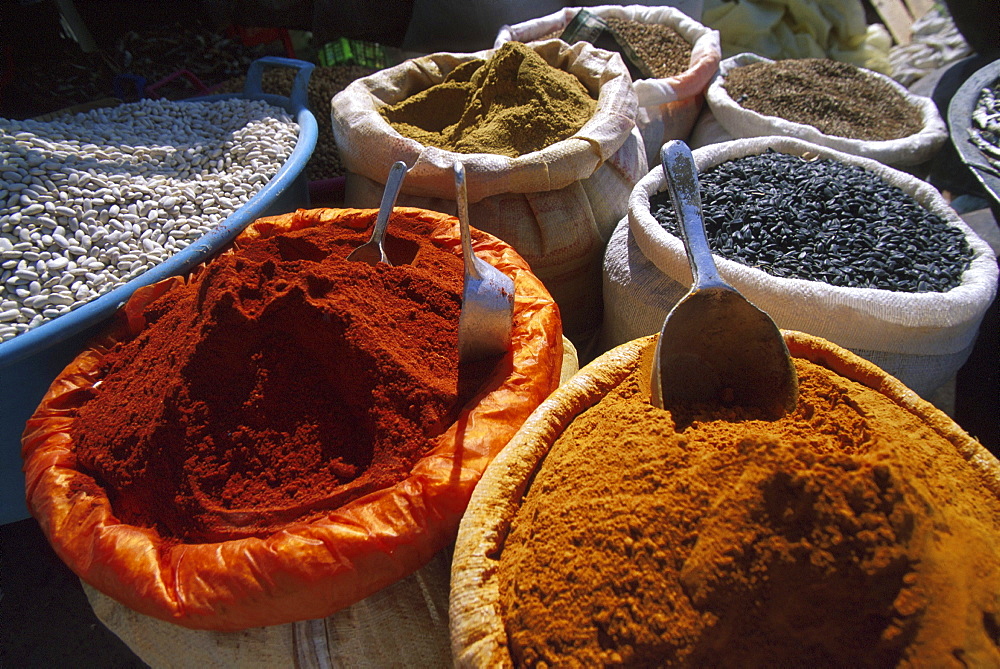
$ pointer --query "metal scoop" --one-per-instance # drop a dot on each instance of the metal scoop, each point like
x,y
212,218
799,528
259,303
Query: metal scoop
x,y
372,251
715,346
484,326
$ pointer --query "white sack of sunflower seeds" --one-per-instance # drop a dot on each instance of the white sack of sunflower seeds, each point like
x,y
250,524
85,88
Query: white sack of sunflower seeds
x,y
729,120
922,338
668,106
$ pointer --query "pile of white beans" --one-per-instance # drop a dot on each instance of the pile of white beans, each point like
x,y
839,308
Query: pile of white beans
x,y
90,201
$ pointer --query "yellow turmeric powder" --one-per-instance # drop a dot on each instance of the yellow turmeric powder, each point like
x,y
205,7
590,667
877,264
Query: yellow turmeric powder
x,y
848,533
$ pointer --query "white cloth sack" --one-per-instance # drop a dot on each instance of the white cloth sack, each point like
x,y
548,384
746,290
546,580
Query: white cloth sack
x,y
920,338
557,207
404,624
669,107
737,122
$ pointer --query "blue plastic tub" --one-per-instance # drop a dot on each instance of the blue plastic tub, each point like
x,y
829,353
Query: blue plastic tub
x,y
31,361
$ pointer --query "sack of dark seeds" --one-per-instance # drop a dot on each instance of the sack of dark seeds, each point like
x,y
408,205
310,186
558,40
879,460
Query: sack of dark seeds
x,y
830,244
679,55
826,102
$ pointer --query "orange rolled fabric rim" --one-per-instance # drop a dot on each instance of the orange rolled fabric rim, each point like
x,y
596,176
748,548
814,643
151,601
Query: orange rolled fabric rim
x,y
308,569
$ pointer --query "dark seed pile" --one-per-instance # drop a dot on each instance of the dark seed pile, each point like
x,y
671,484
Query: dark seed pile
x,y
155,53
823,220
837,98
660,47
67,77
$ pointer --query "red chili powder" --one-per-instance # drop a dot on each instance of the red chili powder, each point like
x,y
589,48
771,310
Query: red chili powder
x,y
282,382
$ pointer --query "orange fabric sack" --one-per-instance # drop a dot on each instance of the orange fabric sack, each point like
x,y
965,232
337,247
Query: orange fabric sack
x,y
308,569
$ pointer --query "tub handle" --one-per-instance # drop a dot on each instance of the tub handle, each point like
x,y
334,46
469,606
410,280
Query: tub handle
x,y
300,87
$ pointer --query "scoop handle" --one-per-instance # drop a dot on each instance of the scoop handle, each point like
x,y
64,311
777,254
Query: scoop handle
x,y
389,196
462,207
681,177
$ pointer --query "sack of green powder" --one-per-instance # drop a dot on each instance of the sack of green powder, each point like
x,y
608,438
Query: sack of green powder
x,y
921,338
885,122
556,206
668,105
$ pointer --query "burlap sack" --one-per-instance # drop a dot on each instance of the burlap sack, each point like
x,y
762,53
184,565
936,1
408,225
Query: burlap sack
x,y
478,637
725,119
668,107
415,609
920,338
307,569
556,207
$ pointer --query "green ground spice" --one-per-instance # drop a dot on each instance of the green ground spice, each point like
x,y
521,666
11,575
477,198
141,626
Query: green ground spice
x,y
839,99
511,104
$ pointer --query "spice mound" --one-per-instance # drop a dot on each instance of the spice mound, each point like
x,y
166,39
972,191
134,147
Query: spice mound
x,y
848,533
510,104
837,98
664,51
279,383
824,220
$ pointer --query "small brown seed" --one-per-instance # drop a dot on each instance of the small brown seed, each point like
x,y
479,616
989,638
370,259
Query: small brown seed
x,y
660,46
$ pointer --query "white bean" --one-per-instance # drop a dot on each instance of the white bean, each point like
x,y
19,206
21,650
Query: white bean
x,y
94,200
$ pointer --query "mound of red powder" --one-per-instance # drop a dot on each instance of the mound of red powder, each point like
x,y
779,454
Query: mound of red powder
x,y
280,383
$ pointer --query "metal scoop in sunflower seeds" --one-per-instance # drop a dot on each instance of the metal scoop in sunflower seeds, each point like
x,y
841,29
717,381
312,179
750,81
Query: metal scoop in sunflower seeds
x,y
715,346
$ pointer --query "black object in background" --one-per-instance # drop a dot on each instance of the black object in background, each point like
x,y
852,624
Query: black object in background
x,y
979,23
45,618
383,22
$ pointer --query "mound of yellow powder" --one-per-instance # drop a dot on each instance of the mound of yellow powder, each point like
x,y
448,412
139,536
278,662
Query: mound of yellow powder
x,y
848,533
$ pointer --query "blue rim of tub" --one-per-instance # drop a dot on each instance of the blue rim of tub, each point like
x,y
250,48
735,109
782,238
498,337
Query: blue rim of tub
x,y
63,327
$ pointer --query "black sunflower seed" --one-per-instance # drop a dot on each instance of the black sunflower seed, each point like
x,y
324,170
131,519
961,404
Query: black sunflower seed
x,y
823,220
